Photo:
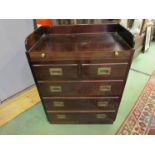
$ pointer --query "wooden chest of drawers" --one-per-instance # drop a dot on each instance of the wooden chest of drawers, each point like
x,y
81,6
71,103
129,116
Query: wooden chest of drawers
x,y
80,70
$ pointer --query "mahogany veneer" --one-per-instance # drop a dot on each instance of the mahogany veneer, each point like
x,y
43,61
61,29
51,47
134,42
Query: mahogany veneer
x,y
80,70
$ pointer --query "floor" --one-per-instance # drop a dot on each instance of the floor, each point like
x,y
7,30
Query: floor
x,y
33,121
17,104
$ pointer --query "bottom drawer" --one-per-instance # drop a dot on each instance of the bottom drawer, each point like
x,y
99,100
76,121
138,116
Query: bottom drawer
x,y
82,118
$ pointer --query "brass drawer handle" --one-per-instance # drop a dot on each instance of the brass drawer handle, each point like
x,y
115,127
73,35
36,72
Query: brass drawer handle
x,y
43,55
56,71
101,116
55,89
58,103
61,116
104,71
102,103
105,88
116,53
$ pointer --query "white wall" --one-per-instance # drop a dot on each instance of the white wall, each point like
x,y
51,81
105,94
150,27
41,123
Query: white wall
x,y
124,22
15,74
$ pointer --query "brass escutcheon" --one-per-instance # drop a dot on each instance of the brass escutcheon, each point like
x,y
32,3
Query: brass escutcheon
x,y
104,70
55,89
102,103
104,88
58,103
101,116
61,116
56,71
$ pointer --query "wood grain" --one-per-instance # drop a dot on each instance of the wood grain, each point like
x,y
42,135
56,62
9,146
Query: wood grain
x,y
17,104
93,61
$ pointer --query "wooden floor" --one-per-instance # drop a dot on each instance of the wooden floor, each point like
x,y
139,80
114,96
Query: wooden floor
x,y
17,104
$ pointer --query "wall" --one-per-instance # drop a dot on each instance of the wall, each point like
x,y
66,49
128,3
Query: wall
x,y
15,74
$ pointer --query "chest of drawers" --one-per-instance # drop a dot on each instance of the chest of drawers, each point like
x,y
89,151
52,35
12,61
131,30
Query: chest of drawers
x,y
80,70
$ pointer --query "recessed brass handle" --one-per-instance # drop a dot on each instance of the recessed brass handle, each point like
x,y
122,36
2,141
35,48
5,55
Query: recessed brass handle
x,y
61,116
102,103
56,71
116,53
58,103
105,88
43,55
103,70
101,116
55,89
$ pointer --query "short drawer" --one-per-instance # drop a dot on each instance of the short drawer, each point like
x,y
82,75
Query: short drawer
x,y
73,118
81,103
81,88
56,72
104,71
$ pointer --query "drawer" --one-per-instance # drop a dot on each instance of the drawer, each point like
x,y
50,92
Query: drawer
x,y
104,71
100,117
56,72
81,103
81,88
48,56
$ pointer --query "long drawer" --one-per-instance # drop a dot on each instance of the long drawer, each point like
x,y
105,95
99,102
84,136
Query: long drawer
x,y
81,103
87,118
81,88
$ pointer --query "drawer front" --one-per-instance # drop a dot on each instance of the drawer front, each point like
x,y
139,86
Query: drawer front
x,y
56,72
81,88
104,71
115,56
98,103
106,117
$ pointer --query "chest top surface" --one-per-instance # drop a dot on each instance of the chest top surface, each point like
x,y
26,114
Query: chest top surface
x,y
79,41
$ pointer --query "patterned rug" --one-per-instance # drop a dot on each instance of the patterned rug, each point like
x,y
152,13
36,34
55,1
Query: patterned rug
x,y
141,119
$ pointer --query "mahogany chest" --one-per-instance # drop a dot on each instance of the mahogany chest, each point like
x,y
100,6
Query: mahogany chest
x,y
80,70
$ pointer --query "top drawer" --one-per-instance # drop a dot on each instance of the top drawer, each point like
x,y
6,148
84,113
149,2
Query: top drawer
x,y
83,71
104,71
55,72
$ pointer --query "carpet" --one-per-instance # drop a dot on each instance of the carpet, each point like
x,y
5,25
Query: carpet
x,y
17,104
141,119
